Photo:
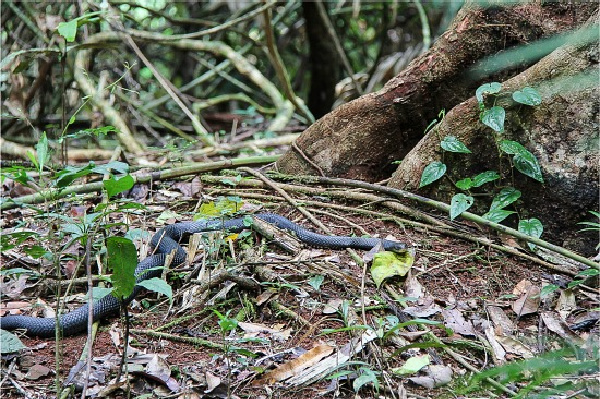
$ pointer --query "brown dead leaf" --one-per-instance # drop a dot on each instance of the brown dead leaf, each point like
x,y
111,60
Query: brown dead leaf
x,y
454,319
295,366
528,298
212,381
196,187
566,303
502,324
37,371
558,326
265,296
515,347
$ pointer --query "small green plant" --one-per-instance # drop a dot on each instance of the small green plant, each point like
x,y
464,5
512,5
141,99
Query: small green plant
x,y
522,160
574,366
592,226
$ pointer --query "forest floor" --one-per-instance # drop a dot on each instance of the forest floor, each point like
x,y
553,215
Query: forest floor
x,y
284,318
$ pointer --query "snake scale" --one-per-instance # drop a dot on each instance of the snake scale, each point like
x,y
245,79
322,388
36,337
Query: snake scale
x,y
163,243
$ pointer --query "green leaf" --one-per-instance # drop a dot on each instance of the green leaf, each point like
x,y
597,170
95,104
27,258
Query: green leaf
x,y
548,290
122,260
112,167
115,186
497,215
528,165
222,206
226,323
35,251
68,30
389,264
158,285
413,364
34,161
316,281
432,172
575,283
588,273
464,184
43,152
366,376
10,343
69,173
494,118
485,177
165,216
512,147
460,203
487,88
527,96
17,271
532,227
452,144
505,197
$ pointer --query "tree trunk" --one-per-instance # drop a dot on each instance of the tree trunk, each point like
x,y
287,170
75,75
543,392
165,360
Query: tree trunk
x,y
363,138
324,61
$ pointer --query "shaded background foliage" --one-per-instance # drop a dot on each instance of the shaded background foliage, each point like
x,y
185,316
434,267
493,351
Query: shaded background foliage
x,y
39,90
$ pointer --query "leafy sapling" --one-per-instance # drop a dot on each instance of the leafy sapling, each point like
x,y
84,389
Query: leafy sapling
x,y
521,158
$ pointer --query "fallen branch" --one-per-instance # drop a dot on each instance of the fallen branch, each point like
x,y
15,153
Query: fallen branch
x,y
53,194
443,208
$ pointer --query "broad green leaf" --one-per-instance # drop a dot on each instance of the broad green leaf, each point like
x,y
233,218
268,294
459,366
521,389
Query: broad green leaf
x,y
43,152
527,96
367,376
497,215
11,240
532,227
113,166
528,165
485,177
10,343
460,203
505,197
115,186
389,264
68,30
432,172
165,216
494,118
452,144
69,173
122,260
316,281
35,251
220,207
464,184
158,285
511,147
575,283
487,88
588,273
413,364
548,290
34,161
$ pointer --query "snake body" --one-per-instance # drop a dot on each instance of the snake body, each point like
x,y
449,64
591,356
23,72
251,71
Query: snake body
x,y
164,242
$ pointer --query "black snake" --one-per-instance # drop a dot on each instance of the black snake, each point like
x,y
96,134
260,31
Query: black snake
x,y
163,242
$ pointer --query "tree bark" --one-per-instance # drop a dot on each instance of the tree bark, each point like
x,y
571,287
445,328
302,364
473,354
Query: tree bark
x,y
324,61
363,138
